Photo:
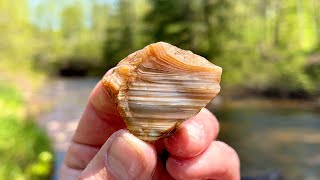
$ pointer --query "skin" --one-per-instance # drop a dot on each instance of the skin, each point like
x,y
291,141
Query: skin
x,y
102,149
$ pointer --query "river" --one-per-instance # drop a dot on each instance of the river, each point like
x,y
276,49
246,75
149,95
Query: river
x,y
276,137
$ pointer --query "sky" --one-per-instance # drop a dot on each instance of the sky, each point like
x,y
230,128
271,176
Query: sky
x,y
40,21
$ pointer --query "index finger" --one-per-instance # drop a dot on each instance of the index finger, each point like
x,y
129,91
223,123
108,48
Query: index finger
x,y
99,120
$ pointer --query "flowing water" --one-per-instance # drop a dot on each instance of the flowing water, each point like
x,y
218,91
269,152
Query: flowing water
x,y
274,138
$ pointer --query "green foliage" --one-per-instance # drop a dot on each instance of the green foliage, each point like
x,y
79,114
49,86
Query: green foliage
x,y
71,20
290,76
259,44
22,146
25,151
171,21
200,26
11,101
70,31
282,72
119,39
21,141
16,44
270,49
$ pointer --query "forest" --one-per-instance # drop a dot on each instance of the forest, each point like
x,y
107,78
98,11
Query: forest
x,y
265,47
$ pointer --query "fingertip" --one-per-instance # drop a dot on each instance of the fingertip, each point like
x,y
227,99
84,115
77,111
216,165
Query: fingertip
x,y
110,71
219,161
230,154
211,118
100,99
206,111
194,136
99,120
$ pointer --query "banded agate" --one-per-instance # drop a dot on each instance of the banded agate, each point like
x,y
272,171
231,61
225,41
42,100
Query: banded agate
x,y
159,87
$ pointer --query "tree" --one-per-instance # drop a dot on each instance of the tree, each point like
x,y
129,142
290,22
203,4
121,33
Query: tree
x,y
120,33
72,20
200,26
172,21
16,41
316,18
99,18
217,19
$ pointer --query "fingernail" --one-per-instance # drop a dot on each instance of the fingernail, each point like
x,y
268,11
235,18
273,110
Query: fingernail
x,y
124,160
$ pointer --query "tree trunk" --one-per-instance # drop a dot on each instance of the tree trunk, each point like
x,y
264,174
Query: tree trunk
x,y
207,12
276,37
316,17
299,10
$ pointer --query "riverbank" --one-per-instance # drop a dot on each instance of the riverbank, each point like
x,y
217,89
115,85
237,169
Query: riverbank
x,y
223,102
64,100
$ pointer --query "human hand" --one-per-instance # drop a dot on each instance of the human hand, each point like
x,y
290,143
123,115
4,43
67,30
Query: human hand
x,y
102,149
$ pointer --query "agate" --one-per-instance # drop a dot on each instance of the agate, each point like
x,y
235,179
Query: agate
x,y
161,86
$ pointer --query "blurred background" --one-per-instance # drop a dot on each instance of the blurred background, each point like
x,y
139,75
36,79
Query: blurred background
x,y
52,53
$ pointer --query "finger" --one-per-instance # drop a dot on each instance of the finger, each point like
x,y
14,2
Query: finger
x,y
219,161
123,156
99,120
194,136
79,155
67,173
76,160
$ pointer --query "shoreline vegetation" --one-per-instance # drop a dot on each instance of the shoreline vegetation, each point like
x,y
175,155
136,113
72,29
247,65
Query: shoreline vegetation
x,y
221,102
266,48
25,149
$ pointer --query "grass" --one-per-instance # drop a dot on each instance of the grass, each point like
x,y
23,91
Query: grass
x,y
25,150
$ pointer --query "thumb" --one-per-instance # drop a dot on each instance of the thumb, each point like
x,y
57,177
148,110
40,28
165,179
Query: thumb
x,y
123,156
